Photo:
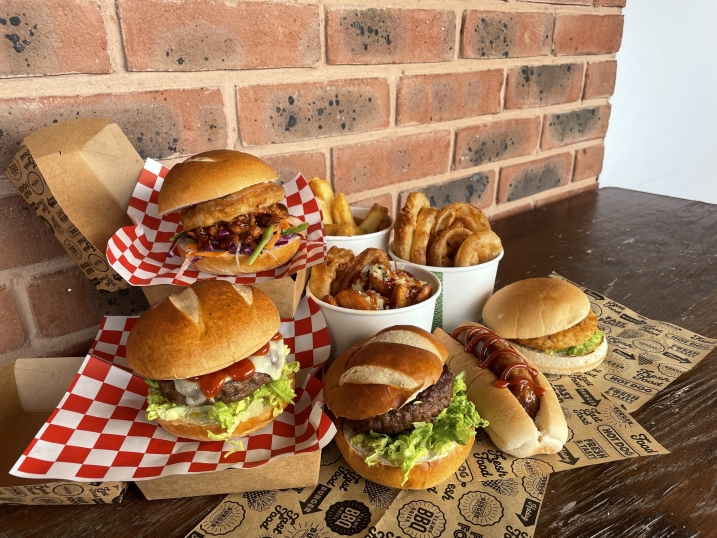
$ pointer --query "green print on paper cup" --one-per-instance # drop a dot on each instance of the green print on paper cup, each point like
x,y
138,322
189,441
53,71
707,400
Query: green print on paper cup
x,y
465,290
438,312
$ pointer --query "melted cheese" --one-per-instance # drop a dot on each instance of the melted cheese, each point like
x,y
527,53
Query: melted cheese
x,y
271,363
191,391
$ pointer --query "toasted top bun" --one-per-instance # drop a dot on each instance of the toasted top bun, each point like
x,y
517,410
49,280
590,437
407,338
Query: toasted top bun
x,y
535,307
211,175
205,328
383,372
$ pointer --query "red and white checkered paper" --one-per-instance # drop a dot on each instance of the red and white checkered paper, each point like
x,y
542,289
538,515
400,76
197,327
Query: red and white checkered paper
x,y
139,253
99,430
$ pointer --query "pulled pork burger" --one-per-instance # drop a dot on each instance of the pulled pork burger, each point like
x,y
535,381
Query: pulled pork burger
x,y
402,417
214,360
230,209
550,322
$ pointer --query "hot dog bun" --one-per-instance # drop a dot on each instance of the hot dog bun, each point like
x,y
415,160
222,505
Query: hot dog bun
x,y
510,428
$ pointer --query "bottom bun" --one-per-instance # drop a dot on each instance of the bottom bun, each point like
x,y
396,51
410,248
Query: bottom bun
x,y
227,265
422,476
562,364
198,427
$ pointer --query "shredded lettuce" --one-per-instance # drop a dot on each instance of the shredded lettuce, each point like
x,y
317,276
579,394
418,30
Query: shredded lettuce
x,y
456,423
272,394
586,347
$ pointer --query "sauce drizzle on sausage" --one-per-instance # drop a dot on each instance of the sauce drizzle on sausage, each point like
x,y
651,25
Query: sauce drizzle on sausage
x,y
511,369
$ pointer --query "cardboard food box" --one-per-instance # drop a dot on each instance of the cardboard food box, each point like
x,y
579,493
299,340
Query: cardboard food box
x,y
294,471
79,175
285,292
29,391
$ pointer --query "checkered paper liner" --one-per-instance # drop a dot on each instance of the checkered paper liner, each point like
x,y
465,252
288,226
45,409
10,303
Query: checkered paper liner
x,y
139,253
99,430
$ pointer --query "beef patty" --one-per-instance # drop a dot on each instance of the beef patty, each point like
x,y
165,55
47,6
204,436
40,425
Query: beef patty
x,y
433,400
232,391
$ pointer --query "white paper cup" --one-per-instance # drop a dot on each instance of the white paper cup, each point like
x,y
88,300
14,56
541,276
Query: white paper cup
x,y
465,290
348,327
359,243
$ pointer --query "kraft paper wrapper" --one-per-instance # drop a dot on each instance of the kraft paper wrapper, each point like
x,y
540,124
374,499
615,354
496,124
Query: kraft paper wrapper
x,y
644,356
345,504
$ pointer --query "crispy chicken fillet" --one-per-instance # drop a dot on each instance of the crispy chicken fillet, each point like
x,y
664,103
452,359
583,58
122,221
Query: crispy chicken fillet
x,y
573,336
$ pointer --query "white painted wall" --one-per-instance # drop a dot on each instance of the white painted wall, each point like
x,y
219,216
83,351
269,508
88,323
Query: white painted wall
x,y
662,136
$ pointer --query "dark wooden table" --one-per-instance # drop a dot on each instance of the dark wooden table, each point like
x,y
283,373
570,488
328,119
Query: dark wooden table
x,y
654,254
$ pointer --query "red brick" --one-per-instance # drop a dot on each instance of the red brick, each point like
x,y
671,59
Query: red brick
x,y
270,114
600,80
389,36
159,124
79,349
50,37
562,194
496,34
570,2
575,126
11,336
218,34
386,200
610,3
481,144
527,179
588,162
587,34
450,96
477,189
26,237
371,165
310,164
65,301
543,85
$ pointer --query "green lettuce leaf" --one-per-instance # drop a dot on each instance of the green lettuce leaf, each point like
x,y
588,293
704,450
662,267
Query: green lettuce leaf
x,y
586,347
456,423
228,415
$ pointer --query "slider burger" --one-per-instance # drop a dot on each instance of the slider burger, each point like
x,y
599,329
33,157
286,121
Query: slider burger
x,y
214,360
523,413
229,208
550,322
402,417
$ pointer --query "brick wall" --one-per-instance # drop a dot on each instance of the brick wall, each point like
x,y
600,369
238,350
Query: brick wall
x,y
500,103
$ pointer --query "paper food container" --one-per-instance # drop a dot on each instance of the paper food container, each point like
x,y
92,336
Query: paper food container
x,y
29,392
140,252
99,430
465,290
348,327
78,176
359,243
285,292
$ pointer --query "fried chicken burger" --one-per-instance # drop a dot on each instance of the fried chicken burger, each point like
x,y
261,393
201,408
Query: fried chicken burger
x,y
403,418
230,209
550,322
215,361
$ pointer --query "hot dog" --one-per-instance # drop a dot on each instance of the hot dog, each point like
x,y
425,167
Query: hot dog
x,y
524,415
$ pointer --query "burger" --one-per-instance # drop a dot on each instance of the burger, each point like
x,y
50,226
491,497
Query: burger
x,y
231,213
550,322
214,360
403,418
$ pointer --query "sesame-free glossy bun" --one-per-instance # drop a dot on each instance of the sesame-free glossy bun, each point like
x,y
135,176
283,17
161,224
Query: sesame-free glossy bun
x,y
207,327
211,175
227,265
535,307
421,476
383,372
198,427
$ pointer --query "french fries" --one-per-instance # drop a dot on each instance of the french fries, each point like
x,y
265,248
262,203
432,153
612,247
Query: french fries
x,y
344,280
458,235
337,217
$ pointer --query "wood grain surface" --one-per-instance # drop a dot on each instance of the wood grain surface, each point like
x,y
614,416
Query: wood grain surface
x,y
654,254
